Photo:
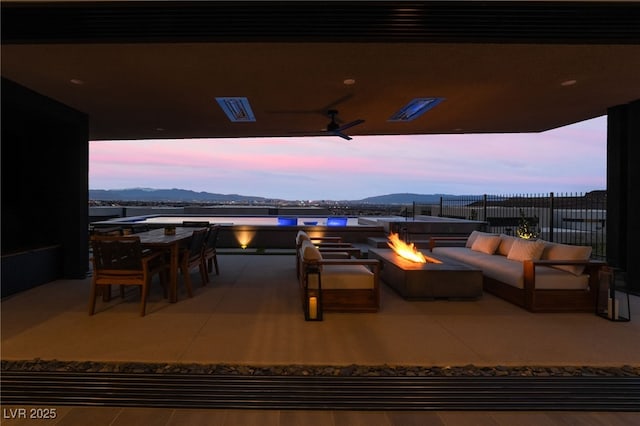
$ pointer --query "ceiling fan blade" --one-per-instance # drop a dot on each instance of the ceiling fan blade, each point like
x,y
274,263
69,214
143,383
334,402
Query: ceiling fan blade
x,y
333,128
348,125
342,135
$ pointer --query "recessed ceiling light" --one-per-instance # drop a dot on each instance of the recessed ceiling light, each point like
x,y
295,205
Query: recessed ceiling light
x,y
349,81
415,108
237,109
159,129
76,81
568,82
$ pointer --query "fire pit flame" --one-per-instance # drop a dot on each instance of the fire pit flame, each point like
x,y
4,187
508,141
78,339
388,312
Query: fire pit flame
x,y
407,251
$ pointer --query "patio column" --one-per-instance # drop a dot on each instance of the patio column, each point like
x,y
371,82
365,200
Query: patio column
x,y
623,190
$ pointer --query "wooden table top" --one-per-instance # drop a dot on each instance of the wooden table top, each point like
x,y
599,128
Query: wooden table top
x,y
158,237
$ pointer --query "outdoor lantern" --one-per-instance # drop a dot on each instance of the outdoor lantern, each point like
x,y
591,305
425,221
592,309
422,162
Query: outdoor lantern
x,y
613,300
313,295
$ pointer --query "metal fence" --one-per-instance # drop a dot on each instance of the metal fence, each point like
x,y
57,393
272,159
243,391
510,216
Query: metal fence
x,y
577,219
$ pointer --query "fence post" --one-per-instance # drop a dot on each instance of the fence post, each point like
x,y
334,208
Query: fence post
x,y
484,207
551,214
441,204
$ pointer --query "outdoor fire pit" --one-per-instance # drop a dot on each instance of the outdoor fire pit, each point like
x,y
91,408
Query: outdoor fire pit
x,y
435,278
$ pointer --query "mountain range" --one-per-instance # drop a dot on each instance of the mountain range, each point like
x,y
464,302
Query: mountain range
x,y
184,195
167,195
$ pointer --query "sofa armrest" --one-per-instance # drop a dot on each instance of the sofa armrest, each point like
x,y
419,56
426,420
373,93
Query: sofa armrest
x,y
433,241
548,262
336,255
326,239
372,263
353,251
529,269
322,241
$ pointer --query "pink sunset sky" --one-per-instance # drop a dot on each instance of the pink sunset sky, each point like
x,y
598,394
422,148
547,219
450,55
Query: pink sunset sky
x,y
568,159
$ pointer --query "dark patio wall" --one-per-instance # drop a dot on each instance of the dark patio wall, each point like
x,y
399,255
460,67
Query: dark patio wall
x,y
45,154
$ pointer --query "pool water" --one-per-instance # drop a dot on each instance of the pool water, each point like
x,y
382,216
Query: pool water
x,y
255,220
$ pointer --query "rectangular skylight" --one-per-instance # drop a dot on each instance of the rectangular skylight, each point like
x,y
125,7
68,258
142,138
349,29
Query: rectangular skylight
x,y
415,108
237,109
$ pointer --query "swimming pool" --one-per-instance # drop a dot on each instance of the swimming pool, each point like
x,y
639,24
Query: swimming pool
x,y
245,220
260,231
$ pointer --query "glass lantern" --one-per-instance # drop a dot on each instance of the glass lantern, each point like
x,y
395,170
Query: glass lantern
x,y
613,299
313,294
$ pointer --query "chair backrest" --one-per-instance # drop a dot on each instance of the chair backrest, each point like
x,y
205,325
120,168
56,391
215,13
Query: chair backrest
x,y
212,236
196,244
116,253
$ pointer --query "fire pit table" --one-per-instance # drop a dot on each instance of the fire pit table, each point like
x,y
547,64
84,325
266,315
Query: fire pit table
x,y
439,278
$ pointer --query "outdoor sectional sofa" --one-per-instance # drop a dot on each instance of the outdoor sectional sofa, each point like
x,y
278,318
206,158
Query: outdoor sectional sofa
x,y
539,276
330,246
348,284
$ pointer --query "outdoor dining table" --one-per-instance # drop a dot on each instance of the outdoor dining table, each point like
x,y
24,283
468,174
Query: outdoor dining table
x,y
157,239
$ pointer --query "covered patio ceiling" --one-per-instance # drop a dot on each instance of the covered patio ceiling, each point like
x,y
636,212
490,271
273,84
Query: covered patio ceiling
x,y
148,70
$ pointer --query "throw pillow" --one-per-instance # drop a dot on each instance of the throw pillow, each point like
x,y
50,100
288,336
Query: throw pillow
x,y
301,236
472,237
486,243
522,250
506,241
310,252
556,251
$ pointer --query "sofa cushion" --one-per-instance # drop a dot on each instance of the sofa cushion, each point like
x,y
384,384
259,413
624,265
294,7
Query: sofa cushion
x,y
556,251
493,266
486,244
472,237
345,277
511,272
522,250
506,241
309,252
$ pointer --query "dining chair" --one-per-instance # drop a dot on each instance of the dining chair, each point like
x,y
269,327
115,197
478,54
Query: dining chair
x,y
210,254
192,256
119,260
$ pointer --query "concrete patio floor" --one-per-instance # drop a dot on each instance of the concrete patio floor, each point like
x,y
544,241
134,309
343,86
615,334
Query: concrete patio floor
x,y
251,314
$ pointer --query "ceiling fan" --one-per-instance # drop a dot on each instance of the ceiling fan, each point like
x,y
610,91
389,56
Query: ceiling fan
x,y
336,129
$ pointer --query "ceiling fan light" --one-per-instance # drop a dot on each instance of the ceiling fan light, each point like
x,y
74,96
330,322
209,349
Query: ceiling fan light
x,y
237,109
415,108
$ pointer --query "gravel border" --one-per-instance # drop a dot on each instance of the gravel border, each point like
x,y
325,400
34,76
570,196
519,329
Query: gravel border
x,y
38,365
